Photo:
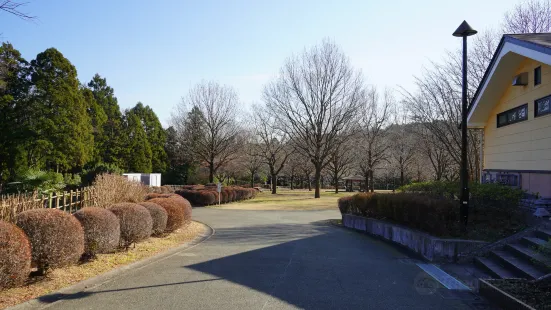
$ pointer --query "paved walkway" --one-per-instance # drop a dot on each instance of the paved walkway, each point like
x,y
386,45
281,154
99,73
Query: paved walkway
x,y
277,260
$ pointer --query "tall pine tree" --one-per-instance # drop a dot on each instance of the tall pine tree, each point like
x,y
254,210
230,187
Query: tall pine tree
x,y
156,136
63,122
98,119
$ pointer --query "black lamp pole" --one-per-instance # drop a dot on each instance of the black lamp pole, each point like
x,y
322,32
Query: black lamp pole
x,y
464,31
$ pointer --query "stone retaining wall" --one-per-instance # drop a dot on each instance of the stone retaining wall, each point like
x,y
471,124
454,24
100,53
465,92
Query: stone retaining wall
x,y
432,248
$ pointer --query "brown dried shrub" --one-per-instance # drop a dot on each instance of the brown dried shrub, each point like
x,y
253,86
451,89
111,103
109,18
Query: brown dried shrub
x,y
12,205
135,222
101,230
56,237
159,216
179,212
15,256
109,189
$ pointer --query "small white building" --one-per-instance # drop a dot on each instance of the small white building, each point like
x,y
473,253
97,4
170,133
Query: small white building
x,y
150,179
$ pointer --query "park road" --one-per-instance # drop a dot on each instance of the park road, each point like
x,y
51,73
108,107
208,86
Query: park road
x,y
276,260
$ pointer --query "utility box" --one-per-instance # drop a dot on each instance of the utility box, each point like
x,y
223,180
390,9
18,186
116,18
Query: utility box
x,y
150,179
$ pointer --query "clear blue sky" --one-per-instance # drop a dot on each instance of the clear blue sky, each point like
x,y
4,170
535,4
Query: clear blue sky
x,y
154,51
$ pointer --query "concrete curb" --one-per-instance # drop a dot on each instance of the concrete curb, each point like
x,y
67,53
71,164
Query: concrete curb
x,y
101,279
501,298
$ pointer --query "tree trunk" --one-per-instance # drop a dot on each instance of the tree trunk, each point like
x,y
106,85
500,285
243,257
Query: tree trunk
x,y
317,180
371,185
292,180
401,177
309,183
274,183
211,172
252,180
336,185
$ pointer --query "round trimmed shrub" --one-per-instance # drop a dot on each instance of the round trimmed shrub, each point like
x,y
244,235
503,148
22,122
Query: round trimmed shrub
x,y
135,222
15,256
176,210
223,196
101,230
56,237
159,216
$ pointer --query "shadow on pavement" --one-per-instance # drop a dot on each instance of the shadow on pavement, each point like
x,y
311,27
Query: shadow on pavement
x,y
309,266
50,298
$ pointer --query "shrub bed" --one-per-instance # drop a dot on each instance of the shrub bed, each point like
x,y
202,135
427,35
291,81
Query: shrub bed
x,y
159,216
135,222
56,237
15,256
101,230
208,195
434,215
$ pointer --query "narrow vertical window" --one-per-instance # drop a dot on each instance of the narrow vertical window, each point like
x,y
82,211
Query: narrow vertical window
x,y
537,76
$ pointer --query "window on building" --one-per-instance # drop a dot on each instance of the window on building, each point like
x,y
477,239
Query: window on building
x,y
537,76
512,116
542,106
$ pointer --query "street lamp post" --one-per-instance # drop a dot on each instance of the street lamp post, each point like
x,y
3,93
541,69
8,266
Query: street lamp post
x,y
464,31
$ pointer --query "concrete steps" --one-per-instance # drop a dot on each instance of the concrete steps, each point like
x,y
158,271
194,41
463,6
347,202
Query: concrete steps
x,y
520,259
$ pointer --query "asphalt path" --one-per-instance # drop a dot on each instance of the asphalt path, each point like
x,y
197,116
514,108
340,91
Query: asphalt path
x,y
276,260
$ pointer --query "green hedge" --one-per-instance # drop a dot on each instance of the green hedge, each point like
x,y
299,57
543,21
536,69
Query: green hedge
x,y
438,216
481,195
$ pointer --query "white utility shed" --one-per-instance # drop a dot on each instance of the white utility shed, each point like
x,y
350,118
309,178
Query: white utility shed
x,y
151,179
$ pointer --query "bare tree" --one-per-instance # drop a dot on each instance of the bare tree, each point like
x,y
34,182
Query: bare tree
x,y
341,162
14,7
373,145
432,149
251,160
218,141
315,100
306,170
530,16
402,144
292,168
273,145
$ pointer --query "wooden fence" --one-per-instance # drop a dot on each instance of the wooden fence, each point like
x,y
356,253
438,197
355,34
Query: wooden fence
x,y
69,201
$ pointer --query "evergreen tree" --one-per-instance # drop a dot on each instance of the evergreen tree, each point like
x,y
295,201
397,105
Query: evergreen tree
x,y
112,138
179,165
14,112
63,121
138,151
156,136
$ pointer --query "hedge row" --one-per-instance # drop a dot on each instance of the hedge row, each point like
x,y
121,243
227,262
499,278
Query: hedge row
x,y
209,195
435,215
51,238
491,195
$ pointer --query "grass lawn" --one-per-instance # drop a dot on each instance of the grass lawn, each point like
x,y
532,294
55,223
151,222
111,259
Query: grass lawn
x,y
288,200
62,277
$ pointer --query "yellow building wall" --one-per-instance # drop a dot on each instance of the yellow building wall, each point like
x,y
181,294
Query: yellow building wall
x,y
525,145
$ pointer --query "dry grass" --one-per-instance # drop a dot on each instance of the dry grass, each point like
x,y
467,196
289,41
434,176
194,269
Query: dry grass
x,y
12,205
288,200
63,277
109,189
